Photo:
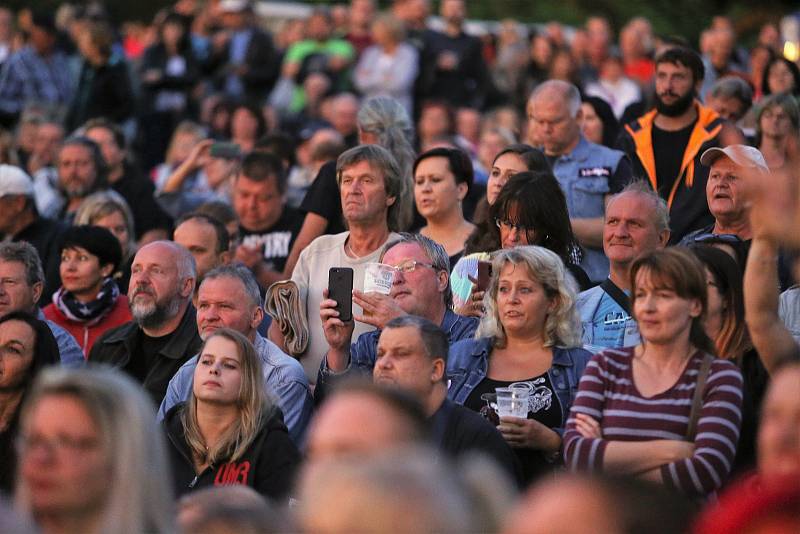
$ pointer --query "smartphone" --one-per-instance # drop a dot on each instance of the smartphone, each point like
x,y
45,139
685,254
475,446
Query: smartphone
x,y
484,274
340,289
225,150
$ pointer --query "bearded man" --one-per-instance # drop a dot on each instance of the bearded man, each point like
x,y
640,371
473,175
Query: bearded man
x,y
666,143
163,333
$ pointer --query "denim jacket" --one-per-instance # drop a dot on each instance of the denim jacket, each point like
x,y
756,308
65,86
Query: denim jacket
x,y
468,362
584,176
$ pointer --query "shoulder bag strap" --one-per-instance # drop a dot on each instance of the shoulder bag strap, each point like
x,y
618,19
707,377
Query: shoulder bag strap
x,y
618,295
697,399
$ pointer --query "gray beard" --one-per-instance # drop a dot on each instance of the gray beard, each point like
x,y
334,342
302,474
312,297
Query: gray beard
x,y
156,315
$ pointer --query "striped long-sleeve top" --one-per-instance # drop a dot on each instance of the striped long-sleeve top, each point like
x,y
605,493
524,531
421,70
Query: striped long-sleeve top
x,y
608,394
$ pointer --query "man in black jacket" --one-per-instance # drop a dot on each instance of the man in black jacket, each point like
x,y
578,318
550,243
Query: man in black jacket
x,y
412,355
163,333
243,59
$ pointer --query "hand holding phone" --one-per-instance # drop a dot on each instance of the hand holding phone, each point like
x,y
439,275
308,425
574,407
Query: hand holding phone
x,y
484,275
340,289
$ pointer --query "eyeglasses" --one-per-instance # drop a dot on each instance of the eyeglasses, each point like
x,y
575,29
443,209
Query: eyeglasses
x,y
718,238
59,445
508,226
410,266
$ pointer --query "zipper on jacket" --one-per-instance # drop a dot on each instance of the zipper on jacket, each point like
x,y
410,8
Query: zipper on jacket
x,y
194,481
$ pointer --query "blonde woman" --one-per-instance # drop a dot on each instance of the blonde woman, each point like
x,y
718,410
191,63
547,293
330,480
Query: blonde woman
x,y
229,432
529,333
91,458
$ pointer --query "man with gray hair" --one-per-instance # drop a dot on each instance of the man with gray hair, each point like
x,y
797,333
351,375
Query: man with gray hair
x,y
588,173
163,333
421,287
229,297
21,285
636,222
372,191
731,97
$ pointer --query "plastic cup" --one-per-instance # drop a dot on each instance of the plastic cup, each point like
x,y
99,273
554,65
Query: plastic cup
x,y
504,401
378,278
520,393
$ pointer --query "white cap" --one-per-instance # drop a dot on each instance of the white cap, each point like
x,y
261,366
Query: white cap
x,y
742,155
233,6
14,181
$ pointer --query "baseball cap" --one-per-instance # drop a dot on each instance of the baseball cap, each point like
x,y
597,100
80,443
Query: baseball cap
x,y
233,6
742,155
14,181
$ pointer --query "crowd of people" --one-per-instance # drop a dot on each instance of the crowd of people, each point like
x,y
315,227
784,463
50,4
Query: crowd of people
x,y
603,228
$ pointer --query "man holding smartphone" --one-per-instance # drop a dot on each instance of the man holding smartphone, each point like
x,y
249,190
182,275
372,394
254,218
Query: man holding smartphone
x,y
371,186
421,287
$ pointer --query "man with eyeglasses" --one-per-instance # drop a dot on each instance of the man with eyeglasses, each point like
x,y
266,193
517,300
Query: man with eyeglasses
x,y
421,287
588,173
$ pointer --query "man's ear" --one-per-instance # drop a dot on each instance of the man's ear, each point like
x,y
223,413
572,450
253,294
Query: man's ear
x,y
188,286
390,201
36,290
695,308
443,278
258,316
663,238
437,370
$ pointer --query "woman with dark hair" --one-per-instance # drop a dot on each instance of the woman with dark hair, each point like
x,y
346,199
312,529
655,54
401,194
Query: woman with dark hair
x,y
781,76
725,325
247,126
513,159
442,178
665,410
599,125
27,346
530,210
229,432
169,71
89,302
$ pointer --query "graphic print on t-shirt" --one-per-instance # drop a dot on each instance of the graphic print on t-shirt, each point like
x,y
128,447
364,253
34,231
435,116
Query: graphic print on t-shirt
x,y
541,396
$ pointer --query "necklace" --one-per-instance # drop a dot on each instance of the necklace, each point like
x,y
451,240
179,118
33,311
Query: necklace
x,y
347,247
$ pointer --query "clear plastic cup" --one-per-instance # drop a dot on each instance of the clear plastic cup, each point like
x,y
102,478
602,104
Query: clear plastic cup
x,y
520,395
504,401
378,278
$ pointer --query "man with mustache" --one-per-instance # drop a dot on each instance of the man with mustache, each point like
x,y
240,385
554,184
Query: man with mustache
x,y
665,144
636,222
163,333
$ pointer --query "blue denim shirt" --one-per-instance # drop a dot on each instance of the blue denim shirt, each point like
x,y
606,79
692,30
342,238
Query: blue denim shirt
x,y
364,351
468,363
584,176
283,375
69,351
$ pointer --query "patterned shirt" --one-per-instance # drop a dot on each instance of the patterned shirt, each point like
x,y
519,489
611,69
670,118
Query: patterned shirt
x,y
608,394
28,77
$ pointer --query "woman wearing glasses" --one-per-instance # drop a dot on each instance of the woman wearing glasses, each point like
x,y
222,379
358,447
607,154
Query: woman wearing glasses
x,y
528,335
529,210
442,178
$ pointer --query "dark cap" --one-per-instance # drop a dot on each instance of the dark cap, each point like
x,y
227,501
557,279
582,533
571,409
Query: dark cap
x,y
97,240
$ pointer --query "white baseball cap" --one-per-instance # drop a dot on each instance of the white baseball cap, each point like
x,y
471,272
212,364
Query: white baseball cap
x,y
233,6
742,155
14,181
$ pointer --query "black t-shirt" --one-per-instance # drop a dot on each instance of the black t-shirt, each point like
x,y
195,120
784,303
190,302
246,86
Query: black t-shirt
x,y
668,149
149,348
323,199
276,241
543,406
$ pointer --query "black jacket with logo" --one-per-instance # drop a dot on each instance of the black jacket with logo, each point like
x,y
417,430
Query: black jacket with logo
x,y
268,466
